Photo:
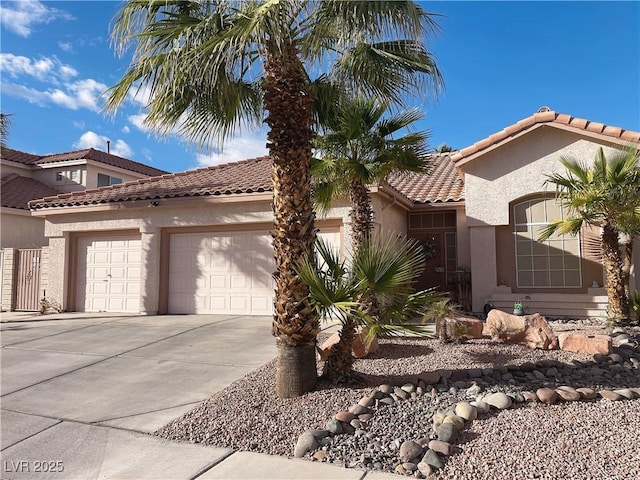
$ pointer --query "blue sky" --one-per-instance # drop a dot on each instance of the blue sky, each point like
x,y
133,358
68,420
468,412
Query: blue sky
x,y
501,61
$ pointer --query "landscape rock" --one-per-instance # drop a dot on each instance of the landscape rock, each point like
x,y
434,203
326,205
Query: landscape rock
x,y
498,400
581,343
587,393
439,446
466,411
568,393
531,330
432,458
305,443
447,432
546,395
463,327
409,450
609,395
425,469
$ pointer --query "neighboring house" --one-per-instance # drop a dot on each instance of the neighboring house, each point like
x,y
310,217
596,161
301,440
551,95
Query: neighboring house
x,y
26,177
198,242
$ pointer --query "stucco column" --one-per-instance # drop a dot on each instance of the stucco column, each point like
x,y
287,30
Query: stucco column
x,y
57,270
149,271
483,265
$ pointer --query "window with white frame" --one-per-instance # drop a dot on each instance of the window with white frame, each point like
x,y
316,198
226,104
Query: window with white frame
x,y
552,263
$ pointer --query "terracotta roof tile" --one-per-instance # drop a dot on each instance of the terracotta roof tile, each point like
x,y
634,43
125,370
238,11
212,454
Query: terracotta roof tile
x,y
443,184
88,153
17,191
18,156
548,117
247,176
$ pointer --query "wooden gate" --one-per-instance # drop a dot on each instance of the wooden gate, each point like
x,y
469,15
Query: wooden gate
x,y
28,280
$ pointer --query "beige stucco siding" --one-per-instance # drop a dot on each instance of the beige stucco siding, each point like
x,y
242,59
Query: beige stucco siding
x,y
150,221
21,230
389,215
7,169
517,169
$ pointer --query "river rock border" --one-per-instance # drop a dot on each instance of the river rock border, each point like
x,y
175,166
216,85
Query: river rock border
x,y
421,457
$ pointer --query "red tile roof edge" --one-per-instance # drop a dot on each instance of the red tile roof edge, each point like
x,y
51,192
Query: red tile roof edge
x,y
548,117
86,153
51,201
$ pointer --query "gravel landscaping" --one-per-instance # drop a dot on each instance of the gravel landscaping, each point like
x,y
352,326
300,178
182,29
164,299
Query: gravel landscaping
x,y
582,439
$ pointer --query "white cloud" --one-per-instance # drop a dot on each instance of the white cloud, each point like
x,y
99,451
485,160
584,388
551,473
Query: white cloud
x,y
126,129
79,124
238,148
43,68
21,17
66,46
93,140
138,121
74,95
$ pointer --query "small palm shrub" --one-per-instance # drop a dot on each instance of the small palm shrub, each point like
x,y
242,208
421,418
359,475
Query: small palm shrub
x,y
373,289
442,313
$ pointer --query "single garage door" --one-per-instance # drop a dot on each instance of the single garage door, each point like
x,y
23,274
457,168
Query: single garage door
x,y
109,274
228,273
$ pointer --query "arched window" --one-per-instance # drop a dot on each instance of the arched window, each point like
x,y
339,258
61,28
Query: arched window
x,y
552,263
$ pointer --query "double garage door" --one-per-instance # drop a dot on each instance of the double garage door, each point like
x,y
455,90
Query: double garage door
x,y
214,273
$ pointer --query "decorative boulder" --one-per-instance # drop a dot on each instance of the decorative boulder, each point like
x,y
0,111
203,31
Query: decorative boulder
x,y
359,349
462,326
581,343
531,330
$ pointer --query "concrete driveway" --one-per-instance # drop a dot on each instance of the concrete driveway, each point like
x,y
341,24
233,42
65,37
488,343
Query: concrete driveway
x,y
78,392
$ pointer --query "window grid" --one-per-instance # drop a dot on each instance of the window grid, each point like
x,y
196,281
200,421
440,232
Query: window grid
x,y
553,263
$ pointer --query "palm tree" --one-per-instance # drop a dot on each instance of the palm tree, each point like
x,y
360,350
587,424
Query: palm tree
x,y
444,148
359,148
5,124
373,289
212,67
605,195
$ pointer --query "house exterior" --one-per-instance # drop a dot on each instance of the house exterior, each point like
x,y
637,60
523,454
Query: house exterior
x,y
26,177
199,242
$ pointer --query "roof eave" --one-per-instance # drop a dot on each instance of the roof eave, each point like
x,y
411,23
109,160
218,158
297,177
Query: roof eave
x,y
150,202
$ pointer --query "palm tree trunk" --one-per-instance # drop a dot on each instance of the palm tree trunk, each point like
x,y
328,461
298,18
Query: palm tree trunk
x,y
627,262
295,324
340,360
361,213
612,261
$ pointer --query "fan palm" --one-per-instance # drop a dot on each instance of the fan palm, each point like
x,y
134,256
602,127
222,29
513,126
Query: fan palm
x,y
212,67
373,289
359,148
604,195
5,124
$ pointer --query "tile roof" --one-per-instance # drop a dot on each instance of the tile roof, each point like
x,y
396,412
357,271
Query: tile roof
x,y
442,185
247,176
88,153
18,156
17,191
551,118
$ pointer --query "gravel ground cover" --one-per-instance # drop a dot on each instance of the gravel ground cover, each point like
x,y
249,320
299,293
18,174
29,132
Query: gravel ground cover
x,y
578,440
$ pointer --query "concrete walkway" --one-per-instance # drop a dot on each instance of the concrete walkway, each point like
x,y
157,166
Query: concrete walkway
x,y
80,394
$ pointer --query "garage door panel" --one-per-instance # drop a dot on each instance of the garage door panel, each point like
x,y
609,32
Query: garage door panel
x,y
109,274
234,273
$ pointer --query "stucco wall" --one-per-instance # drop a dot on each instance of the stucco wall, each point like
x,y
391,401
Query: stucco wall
x,y
389,215
6,170
48,177
517,169
21,231
149,220
93,170
497,178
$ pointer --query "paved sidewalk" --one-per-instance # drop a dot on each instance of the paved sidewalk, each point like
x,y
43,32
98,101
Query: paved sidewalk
x,y
80,394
